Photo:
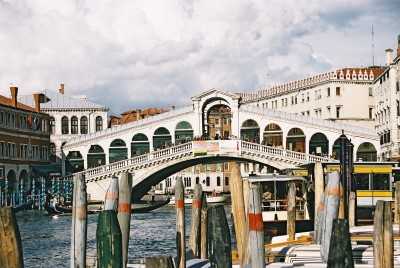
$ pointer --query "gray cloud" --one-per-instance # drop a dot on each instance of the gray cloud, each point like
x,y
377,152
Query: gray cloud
x,y
139,54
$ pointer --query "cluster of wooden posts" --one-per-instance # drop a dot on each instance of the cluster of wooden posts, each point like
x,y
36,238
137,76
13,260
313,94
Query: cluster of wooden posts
x,y
210,237
332,228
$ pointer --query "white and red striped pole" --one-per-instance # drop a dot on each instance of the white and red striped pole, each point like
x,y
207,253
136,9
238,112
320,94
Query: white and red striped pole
x,y
256,227
180,222
124,213
111,199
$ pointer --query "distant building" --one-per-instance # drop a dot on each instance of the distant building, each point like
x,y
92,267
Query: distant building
x,y
134,115
344,95
70,116
24,143
387,106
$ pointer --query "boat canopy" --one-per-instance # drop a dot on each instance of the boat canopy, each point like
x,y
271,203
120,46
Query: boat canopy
x,y
273,177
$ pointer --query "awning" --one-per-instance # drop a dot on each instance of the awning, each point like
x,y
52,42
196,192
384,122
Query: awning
x,y
47,170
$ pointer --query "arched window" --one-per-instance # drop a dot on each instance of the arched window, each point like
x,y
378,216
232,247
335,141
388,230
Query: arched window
x,y
207,181
218,181
74,125
84,125
52,124
99,123
64,125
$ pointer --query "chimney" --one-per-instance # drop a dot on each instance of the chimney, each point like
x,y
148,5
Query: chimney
x,y
62,89
36,96
389,56
398,46
14,94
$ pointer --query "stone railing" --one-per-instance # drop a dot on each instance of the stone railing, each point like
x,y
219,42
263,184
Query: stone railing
x,y
187,149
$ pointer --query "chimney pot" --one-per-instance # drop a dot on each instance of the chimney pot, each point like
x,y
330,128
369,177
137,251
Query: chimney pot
x,y
62,89
389,56
14,94
36,96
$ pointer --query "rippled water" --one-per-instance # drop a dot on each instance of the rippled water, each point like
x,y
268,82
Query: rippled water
x,y
46,240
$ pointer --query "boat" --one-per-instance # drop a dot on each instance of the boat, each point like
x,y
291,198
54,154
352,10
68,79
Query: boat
x,y
25,206
135,208
274,210
138,208
188,199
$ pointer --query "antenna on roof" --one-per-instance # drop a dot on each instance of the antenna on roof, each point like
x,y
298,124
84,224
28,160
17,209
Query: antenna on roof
x,y
373,57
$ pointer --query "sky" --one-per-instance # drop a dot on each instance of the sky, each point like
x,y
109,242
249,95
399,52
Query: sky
x,y
129,55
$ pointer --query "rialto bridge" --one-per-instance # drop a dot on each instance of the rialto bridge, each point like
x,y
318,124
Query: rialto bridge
x,y
214,128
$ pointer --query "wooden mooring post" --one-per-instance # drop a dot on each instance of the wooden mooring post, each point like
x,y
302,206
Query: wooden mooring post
x,y
331,211
256,227
180,223
108,240
340,251
124,213
383,235
219,238
194,238
397,203
10,240
291,211
111,198
239,216
79,223
203,229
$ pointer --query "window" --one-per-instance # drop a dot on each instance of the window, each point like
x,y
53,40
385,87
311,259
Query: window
x,y
74,125
370,110
84,125
207,167
308,96
328,91
99,123
338,112
2,148
302,97
370,91
398,108
216,120
52,124
219,165
226,181
64,125
226,166
218,181
197,180
207,181
338,91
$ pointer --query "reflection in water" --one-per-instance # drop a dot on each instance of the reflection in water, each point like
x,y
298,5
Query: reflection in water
x,y
46,240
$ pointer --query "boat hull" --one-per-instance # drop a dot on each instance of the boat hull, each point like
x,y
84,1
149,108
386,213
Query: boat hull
x,y
275,228
210,200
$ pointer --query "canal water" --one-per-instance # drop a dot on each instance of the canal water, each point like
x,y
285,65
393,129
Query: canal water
x,y
46,240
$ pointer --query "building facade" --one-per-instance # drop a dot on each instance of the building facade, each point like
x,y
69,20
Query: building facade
x,y
387,106
70,116
328,96
24,143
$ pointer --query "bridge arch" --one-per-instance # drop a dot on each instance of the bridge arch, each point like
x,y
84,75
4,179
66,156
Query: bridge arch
x,y
183,132
366,152
273,135
96,156
140,144
161,138
319,144
117,151
296,140
250,131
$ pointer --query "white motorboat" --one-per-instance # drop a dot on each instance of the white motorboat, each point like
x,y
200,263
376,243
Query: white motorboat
x,y
210,199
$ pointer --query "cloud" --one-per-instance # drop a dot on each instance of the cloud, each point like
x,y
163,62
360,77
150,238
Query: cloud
x,y
138,54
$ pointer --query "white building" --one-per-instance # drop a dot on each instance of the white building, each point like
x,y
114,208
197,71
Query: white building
x,y
344,95
70,116
387,106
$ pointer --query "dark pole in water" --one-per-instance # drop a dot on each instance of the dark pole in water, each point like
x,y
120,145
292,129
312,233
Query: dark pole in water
x,y
351,180
343,173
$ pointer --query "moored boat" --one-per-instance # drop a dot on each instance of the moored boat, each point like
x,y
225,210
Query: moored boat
x,y
188,199
274,210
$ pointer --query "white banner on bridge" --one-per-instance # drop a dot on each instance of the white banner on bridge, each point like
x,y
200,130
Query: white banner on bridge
x,y
222,147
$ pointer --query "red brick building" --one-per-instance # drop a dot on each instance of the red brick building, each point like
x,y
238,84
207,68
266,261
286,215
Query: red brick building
x,y
24,143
